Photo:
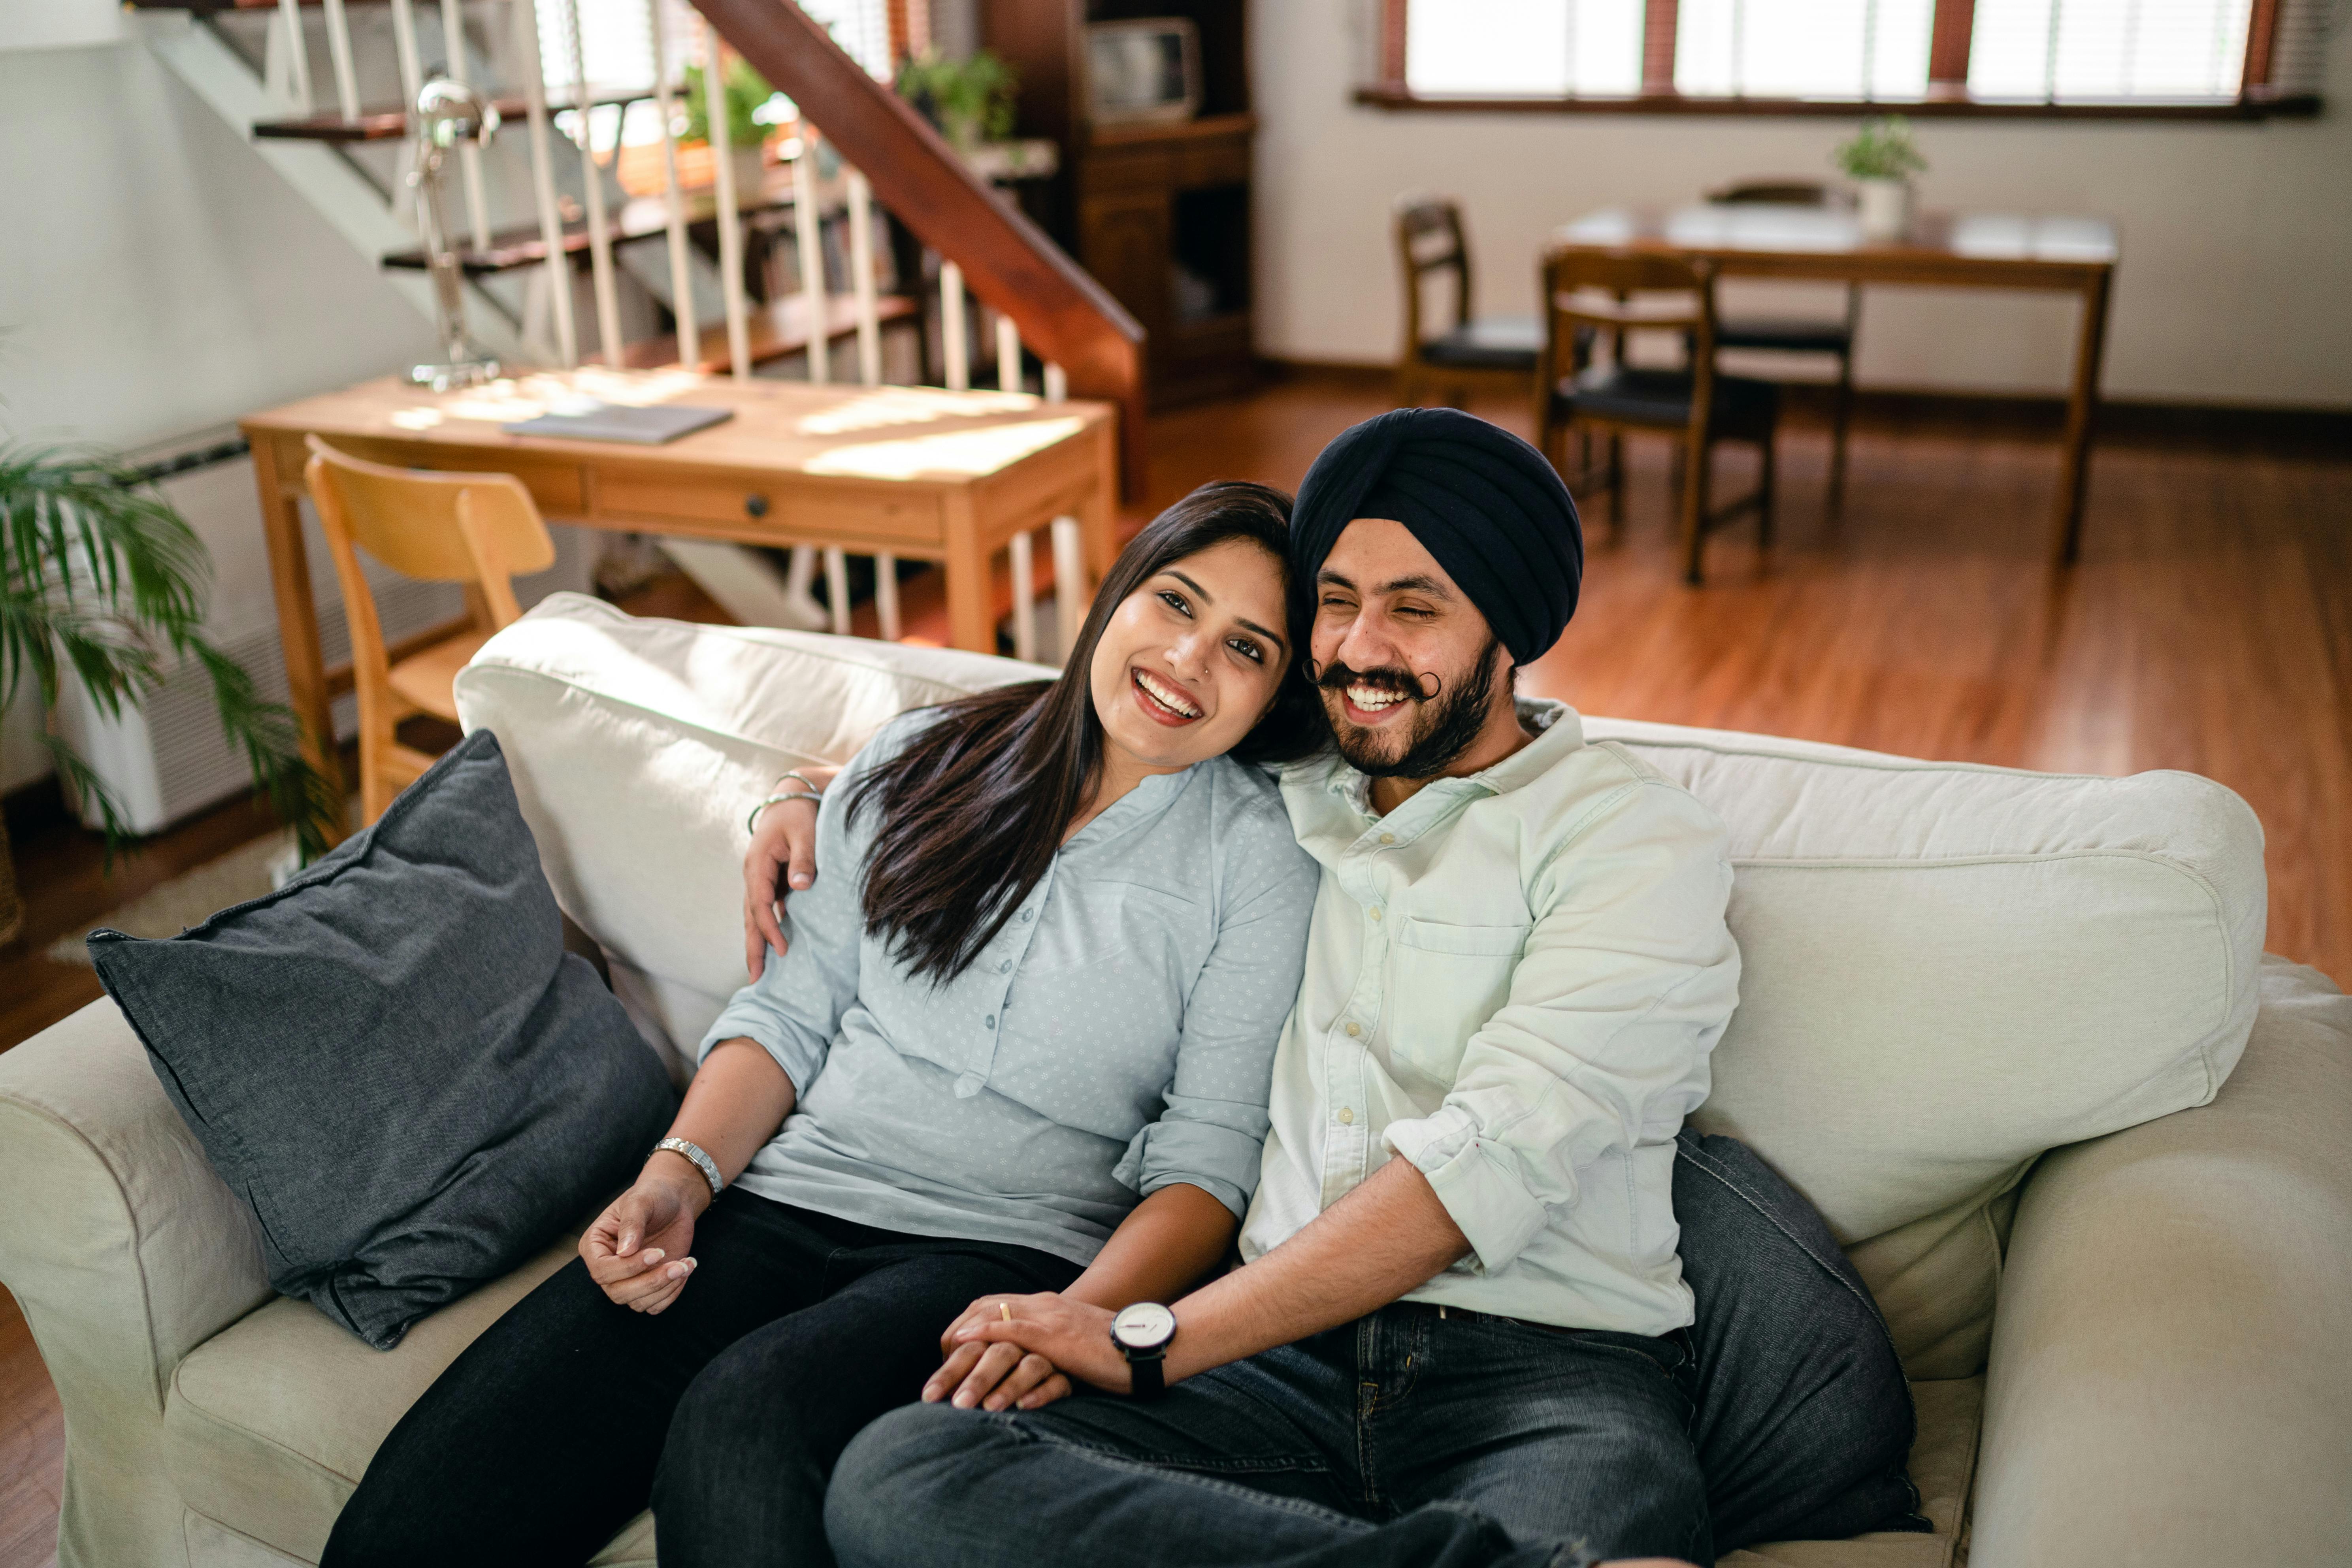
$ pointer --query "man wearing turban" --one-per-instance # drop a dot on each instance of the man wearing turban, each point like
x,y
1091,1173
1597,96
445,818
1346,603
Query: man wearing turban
x,y
1459,1334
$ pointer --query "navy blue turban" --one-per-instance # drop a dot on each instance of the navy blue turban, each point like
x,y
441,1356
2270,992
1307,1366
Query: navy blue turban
x,y
1486,504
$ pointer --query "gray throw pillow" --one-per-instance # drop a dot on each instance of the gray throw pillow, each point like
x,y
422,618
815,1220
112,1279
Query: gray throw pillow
x,y
1804,1419
392,1059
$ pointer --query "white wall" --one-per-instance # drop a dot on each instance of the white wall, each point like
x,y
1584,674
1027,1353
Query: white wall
x,y
156,276
2235,283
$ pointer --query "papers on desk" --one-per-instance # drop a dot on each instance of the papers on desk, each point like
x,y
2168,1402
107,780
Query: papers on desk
x,y
650,426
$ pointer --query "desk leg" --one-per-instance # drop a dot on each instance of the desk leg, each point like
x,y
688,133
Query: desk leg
x,y
969,590
2082,408
1099,519
298,621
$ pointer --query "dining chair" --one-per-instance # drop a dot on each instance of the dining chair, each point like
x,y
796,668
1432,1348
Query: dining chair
x,y
481,530
1611,295
1799,334
1494,353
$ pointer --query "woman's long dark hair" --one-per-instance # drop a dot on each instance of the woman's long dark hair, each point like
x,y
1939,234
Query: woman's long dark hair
x,y
975,807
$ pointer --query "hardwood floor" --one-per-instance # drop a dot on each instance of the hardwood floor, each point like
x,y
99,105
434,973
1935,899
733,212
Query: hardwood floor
x,y
2209,628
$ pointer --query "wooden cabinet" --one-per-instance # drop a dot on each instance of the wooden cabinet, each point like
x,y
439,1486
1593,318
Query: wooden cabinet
x,y
1159,214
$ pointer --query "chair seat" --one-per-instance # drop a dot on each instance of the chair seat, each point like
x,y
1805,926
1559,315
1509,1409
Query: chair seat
x,y
1791,336
1490,342
427,678
1743,407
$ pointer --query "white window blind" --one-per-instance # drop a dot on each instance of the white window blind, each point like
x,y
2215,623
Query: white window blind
x,y
617,41
1803,48
2057,51
1582,48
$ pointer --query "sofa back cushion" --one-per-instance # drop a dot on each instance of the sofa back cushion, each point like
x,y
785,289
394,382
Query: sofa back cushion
x,y
637,748
1948,969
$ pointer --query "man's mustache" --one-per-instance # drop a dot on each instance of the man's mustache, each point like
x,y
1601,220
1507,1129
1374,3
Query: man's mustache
x,y
1393,678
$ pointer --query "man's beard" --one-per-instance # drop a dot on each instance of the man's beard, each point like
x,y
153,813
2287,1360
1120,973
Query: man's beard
x,y
1446,724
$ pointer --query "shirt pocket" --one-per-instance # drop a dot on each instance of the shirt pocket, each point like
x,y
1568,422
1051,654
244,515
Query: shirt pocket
x,y
1444,981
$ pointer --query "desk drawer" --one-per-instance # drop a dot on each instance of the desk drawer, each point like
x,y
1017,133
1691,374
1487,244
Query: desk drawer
x,y
757,506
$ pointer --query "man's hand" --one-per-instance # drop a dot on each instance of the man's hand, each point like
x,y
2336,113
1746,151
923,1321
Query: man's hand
x,y
645,1228
992,1345
782,841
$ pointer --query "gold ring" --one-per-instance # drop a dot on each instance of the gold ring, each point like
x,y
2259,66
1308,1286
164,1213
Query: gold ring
x,y
1005,1307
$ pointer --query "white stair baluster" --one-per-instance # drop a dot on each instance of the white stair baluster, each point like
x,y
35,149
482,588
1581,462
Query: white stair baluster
x,y
470,157
1057,385
1024,598
542,178
836,588
339,49
861,280
404,45
298,54
885,595
953,348
1008,353
681,267
1073,595
808,230
730,226
600,234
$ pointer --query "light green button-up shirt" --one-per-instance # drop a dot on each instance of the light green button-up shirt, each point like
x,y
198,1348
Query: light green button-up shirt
x,y
1514,980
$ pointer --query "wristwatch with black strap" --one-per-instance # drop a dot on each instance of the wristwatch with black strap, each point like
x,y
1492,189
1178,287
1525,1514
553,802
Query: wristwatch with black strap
x,y
1142,1332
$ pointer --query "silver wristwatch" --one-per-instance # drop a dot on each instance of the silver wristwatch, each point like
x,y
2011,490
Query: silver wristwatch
x,y
702,1161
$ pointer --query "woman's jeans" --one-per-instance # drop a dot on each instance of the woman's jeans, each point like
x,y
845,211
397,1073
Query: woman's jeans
x,y
726,1411
1404,1438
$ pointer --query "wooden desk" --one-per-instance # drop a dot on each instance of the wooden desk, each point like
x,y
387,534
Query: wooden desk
x,y
1961,250
917,471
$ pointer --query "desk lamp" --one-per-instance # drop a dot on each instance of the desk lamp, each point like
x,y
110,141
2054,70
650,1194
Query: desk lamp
x,y
447,114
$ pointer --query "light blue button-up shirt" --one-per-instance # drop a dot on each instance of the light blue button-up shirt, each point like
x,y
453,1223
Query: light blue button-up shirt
x,y
1116,1036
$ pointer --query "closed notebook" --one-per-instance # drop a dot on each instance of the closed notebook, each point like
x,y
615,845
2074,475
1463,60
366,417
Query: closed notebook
x,y
648,426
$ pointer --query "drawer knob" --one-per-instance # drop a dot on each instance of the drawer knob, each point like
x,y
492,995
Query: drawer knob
x,y
755,506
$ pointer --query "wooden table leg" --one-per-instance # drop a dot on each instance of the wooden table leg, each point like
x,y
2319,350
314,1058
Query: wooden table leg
x,y
1099,521
298,621
2082,408
969,590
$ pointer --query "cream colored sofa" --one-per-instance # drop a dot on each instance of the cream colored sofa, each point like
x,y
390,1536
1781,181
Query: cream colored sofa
x,y
2134,1348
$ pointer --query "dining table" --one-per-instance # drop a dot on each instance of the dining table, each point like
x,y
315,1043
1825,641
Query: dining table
x,y
2057,254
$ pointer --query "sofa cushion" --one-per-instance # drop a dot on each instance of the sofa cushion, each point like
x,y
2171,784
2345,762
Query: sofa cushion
x,y
1943,1469
391,1059
639,746
1947,970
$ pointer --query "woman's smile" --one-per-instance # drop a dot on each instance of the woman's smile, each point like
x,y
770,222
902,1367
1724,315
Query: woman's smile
x,y
1163,701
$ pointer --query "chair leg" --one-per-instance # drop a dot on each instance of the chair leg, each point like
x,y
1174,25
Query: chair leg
x,y
1694,511
1616,482
1841,415
1764,491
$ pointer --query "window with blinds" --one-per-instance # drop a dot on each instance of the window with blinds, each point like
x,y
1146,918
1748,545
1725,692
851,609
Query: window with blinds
x,y
1576,48
1803,48
616,38
2052,51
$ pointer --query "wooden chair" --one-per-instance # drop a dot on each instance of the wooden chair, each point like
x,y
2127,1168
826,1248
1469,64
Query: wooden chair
x,y
481,529
1494,353
1798,335
1613,294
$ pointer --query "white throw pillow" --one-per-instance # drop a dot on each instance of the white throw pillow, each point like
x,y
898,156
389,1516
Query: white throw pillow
x,y
1948,969
640,746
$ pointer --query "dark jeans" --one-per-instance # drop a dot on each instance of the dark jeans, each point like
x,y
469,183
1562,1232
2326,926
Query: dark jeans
x,y
727,1411
1402,1438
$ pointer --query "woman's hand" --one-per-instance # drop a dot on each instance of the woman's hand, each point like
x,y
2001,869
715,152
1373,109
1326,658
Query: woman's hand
x,y
991,1348
637,1249
783,840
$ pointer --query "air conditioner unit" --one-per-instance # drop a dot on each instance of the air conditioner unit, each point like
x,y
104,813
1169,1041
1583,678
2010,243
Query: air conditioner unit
x,y
166,759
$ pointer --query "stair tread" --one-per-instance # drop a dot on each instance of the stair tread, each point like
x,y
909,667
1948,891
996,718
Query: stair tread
x,y
637,218
389,121
777,329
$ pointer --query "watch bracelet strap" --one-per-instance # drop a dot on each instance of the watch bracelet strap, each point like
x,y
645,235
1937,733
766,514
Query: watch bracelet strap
x,y
700,1161
1155,1384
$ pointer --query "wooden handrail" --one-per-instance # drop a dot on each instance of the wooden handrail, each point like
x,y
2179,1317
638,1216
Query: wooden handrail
x,y
1063,314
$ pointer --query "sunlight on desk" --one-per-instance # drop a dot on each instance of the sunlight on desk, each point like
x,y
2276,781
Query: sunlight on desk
x,y
971,452
888,406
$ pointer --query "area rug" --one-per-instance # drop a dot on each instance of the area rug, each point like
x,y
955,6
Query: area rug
x,y
187,899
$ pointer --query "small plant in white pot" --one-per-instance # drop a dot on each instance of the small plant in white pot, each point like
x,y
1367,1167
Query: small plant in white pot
x,y
1881,159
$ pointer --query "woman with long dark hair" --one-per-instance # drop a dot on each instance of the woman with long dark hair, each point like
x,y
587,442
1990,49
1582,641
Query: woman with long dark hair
x,y
1021,1041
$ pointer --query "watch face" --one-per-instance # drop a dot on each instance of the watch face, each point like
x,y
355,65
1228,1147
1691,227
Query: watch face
x,y
1147,1325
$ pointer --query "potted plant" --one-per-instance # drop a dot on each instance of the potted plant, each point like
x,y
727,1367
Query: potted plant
x,y
971,100
752,111
1881,159
102,582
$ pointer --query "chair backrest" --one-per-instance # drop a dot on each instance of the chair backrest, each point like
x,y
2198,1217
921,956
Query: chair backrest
x,y
1782,193
1619,291
477,529
1430,240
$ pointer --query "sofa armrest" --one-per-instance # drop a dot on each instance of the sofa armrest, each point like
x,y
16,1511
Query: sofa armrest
x,y
125,1252
2171,1364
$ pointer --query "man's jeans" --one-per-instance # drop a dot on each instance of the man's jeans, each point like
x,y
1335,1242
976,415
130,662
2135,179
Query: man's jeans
x,y
1403,1438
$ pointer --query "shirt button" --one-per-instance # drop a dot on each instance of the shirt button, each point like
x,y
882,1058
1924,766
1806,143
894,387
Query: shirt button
x,y
1354,1029
1388,838
1028,914
1005,967
1347,1117
1374,914
989,1022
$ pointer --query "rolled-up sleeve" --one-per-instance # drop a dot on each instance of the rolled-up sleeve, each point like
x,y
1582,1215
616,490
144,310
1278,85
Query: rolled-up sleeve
x,y
1627,979
1212,1133
794,1008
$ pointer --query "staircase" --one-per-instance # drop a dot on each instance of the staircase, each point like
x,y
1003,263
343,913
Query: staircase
x,y
726,279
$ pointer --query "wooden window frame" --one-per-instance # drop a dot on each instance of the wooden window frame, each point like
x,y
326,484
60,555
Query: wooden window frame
x,y
1950,35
